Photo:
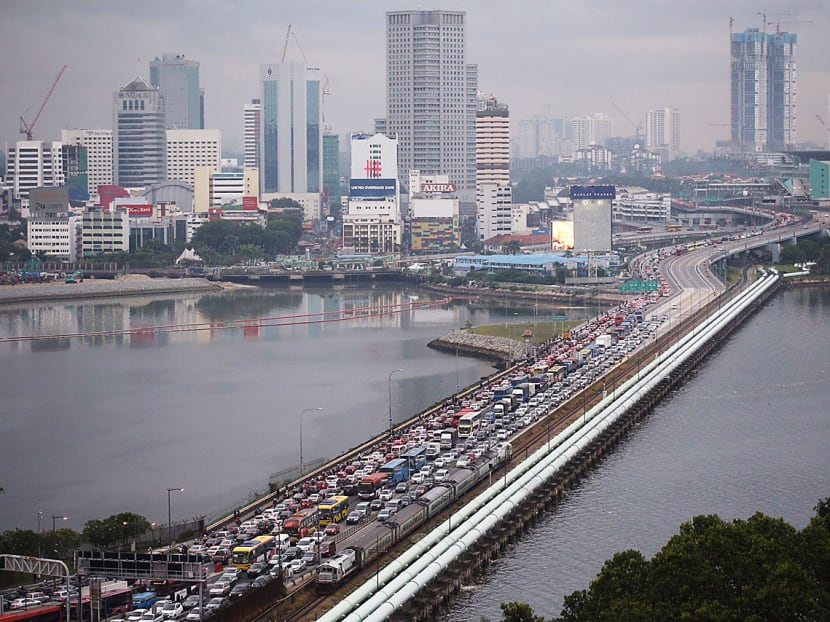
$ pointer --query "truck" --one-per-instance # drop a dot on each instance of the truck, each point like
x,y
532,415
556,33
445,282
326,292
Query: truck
x,y
603,341
524,391
448,438
433,450
502,407
333,572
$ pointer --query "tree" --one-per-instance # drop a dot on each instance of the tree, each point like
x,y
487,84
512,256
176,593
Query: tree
x,y
116,530
518,612
758,569
512,248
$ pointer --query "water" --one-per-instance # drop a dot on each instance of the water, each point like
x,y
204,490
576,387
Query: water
x,y
97,425
748,432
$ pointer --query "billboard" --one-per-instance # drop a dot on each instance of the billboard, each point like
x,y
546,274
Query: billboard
x,y
593,192
250,204
48,202
372,188
140,210
428,188
562,234
592,225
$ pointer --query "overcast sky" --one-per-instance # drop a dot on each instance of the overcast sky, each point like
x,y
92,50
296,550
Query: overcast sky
x,y
542,57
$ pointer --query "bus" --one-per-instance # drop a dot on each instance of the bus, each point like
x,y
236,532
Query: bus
x,y
144,600
645,229
470,424
302,523
334,509
112,602
369,485
50,613
417,457
671,228
397,469
252,550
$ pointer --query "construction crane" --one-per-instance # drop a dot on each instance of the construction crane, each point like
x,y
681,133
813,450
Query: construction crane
x,y
778,24
824,125
28,128
285,45
637,126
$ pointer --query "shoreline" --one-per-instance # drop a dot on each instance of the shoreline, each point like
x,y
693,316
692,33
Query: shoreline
x,y
498,349
131,285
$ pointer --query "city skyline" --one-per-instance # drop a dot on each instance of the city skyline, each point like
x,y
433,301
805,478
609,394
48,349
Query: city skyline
x,y
618,60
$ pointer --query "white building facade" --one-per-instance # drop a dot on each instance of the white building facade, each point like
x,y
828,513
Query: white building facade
x,y
139,136
663,132
189,149
431,95
494,207
252,125
34,163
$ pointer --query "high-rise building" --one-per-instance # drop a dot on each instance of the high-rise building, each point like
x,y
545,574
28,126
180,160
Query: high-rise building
x,y
331,172
177,79
32,164
590,130
763,90
189,149
252,128
492,143
140,138
494,206
98,145
663,132
431,95
291,136
538,138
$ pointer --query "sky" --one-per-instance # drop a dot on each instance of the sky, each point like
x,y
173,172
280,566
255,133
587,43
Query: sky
x,y
543,58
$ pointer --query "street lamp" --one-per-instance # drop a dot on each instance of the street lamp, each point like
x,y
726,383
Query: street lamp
x,y
305,410
169,520
394,371
58,516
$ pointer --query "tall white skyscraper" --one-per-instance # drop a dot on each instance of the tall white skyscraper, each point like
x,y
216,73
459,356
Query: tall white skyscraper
x,y
291,134
177,79
98,145
590,130
252,127
663,132
431,95
139,138
764,90
492,143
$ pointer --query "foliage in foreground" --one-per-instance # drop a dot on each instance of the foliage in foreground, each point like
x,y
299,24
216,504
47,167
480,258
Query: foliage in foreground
x,y
756,569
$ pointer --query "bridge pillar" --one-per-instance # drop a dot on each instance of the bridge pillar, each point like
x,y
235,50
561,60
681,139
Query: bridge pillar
x,y
774,250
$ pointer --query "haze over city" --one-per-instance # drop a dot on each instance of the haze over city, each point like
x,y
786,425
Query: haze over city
x,y
542,58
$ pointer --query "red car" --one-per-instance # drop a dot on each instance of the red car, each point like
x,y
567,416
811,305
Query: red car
x,y
332,529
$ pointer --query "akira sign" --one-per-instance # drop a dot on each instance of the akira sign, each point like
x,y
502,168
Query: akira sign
x,y
437,188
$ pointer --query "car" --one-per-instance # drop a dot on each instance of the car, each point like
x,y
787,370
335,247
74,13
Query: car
x,y
354,517
298,565
385,514
463,461
404,500
256,569
232,572
309,543
417,478
310,558
419,490
229,577
215,603
332,529
385,494
25,603
261,581
172,611
151,616
238,590
401,487
375,505
439,462
220,588
135,615
441,475
190,602
292,552
195,615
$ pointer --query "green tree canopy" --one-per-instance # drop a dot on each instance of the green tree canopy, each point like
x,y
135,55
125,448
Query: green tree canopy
x,y
115,531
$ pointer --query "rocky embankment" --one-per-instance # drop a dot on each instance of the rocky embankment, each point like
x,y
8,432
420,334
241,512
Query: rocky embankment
x,y
482,346
102,288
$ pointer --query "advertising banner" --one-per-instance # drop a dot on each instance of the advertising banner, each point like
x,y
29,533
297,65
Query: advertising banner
x,y
593,192
372,188
250,204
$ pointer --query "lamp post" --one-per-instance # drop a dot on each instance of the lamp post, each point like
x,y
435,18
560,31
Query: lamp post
x,y
304,411
57,516
169,520
394,371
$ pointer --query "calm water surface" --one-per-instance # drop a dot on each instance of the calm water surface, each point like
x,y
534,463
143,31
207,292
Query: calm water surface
x,y
96,425
748,432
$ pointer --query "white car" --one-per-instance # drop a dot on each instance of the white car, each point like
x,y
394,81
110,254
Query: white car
x,y
441,475
172,611
135,615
